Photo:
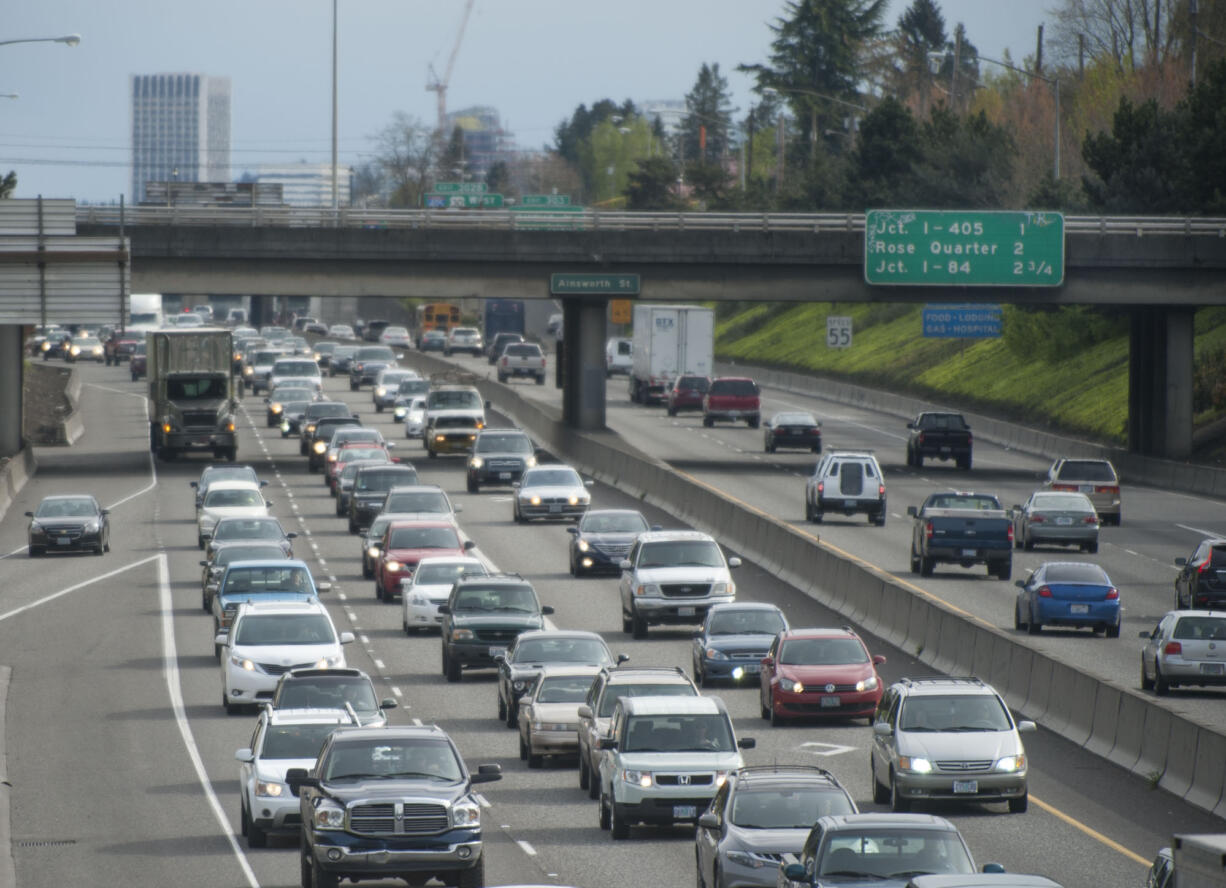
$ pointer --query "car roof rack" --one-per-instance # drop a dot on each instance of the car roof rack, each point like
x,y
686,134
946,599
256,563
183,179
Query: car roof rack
x,y
670,670
784,770
944,679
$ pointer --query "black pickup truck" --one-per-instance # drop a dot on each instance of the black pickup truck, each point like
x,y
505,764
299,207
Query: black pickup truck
x,y
944,436
961,528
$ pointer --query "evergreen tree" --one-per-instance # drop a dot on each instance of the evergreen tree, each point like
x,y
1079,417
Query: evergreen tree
x,y
705,130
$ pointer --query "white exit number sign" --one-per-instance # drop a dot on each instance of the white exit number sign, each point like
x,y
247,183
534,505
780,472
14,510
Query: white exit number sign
x,y
838,332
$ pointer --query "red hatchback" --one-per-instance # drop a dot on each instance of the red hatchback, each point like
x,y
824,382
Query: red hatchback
x,y
407,542
686,393
819,672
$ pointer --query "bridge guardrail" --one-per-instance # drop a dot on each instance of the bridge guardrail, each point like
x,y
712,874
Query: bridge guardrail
x,y
586,220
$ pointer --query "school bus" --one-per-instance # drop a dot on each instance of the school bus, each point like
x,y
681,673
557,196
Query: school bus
x,y
436,316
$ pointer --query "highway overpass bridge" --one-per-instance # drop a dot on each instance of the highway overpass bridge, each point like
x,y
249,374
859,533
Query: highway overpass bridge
x,y
1162,268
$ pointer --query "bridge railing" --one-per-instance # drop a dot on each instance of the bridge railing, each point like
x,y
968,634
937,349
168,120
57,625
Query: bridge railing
x,y
584,220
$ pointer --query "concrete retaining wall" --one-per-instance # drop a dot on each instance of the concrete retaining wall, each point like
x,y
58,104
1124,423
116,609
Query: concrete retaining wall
x,y
1131,729
16,472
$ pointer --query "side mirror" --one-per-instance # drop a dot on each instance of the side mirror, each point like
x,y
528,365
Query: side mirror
x,y
910,425
795,872
297,778
606,743
768,661
624,564
878,659
708,821
487,405
244,755
657,527
388,703
486,774
547,610
1179,562
292,535
573,531
734,561
204,564
263,483
323,586
622,658
993,868
912,512
500,659
1021,584
470,544
221,638
31,514
1144,634
515,486
444,608
390,445
746,743
457,507
191,484
346,638
882,729
106,511
588,482
585,711
1026,727
1016,507
267,504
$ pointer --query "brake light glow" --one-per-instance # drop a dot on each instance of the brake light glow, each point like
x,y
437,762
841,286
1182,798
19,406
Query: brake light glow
x,y
1037,519
1112,489
1064,487
928,530
1044,591
880,490
1113,594
1090,519
1010,531
1172,647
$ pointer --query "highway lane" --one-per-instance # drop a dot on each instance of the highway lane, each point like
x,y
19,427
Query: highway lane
x,y
1157,527
544,809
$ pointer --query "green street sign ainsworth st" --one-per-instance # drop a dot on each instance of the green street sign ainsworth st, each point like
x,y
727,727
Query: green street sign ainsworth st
x,y
572,284
973,248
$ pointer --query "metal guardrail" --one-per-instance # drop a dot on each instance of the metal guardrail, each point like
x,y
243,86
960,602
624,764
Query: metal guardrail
x,y
585,220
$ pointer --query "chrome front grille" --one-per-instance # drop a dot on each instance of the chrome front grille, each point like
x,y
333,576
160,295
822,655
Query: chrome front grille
x,y
684,779
398,819
277,669
496,636
964,767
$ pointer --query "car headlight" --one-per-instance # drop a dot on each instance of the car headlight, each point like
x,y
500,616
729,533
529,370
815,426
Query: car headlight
x,y
466,814
461,635
310,430
373,552
583,545
166,427
530,462
751,859
285,425
97,349
519,686
647,589
228,424
867,684
332,457
328,662
380,391
399,413
35,527
1011,764
715,654
276,408
637,778
574,499
393,566
247,371
476,462
321,446
207,521
269,790
46,346
719,588
243,663
721,777
76,350
792,685
915,764
535,500
329,816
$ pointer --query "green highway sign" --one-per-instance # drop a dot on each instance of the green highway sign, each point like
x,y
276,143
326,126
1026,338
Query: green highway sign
x,y
583,284
460,187
975,248
545,200
438,201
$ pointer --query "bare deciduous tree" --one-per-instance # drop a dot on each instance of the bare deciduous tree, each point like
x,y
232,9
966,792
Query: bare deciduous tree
x,y
407,152
1131,33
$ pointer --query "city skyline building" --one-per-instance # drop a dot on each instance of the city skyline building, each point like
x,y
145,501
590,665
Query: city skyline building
x,y
305,184
485,141
180,128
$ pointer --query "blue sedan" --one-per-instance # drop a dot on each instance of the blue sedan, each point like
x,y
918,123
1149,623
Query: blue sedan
x,y
602,538
734,639
1068,593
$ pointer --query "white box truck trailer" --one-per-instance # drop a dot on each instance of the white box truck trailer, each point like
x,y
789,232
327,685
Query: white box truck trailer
x,y
669,340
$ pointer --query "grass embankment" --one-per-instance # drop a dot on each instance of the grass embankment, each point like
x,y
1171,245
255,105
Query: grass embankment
x,y
1082,390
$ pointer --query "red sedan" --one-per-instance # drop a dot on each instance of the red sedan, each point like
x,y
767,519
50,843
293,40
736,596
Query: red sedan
x,y
819,672
405,543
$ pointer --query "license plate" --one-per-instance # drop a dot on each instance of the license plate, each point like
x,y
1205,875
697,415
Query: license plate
x,y
849,504
555,507
685,812
686,611
1086,488
752,669
504,476
497,650
962,786
831,702
969,553
62,541
945,450
1078,608
1212,668
1064,521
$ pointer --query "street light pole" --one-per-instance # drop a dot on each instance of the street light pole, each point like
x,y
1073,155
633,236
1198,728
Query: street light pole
x,y
335,191
67,39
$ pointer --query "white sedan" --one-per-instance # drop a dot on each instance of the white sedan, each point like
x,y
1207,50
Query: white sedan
x,y
430,586
414,417
228,499
553,491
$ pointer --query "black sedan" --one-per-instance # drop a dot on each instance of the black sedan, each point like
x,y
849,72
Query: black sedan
x,y
603,538
798,430
69,523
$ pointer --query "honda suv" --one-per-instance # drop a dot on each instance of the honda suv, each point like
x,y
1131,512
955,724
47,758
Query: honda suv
x,y
673,576
846,481
947,738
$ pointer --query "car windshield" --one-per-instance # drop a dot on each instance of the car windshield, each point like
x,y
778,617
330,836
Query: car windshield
x,y
424,538
248,529
693,383
355,436
498,598
445,574
384,480
681,553
745,622
802,419
955,712
1072,572
679,733
375,353
603,522
1061,502
563,688
965,501
328,408
1192,628
75,507
351,469
790,808
646,689
267,357
294,741
488,443
454,400
552,478
455,422
197,387
893,853
935,421
1086,470
328,692
244,580
232,499
562,650
423,501
393,758
279,629
295,368
413,387
226,554
822,652
357,454
395,331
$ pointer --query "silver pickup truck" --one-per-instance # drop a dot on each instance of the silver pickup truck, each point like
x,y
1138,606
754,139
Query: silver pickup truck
x,y
522,359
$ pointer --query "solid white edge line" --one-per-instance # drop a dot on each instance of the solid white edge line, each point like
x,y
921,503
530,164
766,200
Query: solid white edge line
x,y
74,588
170,668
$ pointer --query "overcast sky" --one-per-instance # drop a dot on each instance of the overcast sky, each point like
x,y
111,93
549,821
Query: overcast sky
x,y
67,133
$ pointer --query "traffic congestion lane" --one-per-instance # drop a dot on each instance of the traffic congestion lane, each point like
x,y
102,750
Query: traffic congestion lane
x,y
1139,555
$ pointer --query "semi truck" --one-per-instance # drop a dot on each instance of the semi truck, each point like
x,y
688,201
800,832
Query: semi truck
x,y
1199,861
669,340
192,389
503,316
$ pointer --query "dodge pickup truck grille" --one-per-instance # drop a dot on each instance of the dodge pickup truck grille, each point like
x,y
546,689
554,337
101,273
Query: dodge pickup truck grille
x,y
398,818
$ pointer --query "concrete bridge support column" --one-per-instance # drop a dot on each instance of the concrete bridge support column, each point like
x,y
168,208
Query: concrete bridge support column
x,y
583,393
1160,382
11,375
263,311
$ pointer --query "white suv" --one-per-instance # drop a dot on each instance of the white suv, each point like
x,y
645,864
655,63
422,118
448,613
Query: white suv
x,y
846,481
267,639
465,339
673,576
664,760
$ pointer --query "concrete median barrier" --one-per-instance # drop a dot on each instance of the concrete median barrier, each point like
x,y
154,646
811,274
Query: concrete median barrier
x,y
1130,732
1106,720
1208,789
1155,743
1179,770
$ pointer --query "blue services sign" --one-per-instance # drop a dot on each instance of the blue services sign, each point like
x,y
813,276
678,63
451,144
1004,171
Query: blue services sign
x,y
962,321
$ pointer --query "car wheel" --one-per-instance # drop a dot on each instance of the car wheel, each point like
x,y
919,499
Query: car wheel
x,y
523,749
708,422
638,626
1033,626
617,825
769,448
1027,543
1092,548
242,818
753,422
926,566
378,407
473,486
1004,570
453,670
593,783
502,708
672,411
915,562
101,548
627,624
540,380
534,760
1018,623
512,714
1017,541
763,709
1147,683
408,630
256,837
1113,631
502,377
325,879
604,810
700,677
305,873
205,604
1019,806
1161,686
378,590
584,779
776,720
817,516
881,792
199,541
898,804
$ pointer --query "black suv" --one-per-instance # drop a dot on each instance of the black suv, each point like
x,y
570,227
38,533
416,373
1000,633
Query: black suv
x,y
1201,582
317,411
499,457
370,487
482,616
367,362
493,351
332,689
320,439
390,803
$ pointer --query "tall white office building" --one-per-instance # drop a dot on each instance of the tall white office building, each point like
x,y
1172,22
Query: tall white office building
x,y
180,129
306,184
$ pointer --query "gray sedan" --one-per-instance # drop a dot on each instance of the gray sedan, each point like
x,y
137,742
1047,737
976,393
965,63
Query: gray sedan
x,y
553,491
1056,518
1187,647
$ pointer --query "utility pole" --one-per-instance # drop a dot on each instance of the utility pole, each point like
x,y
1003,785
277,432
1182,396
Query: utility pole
x,y
1193,10
1038,52
1081,55
953,75
779,162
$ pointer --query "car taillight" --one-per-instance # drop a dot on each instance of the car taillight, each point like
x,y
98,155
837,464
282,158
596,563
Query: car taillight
x,y
1112,489
1202,567
1037,519
880,490
968,437
1064,487
1044,591
928,530
821,487
1010,531
920,439
1090,519
1172,647
1113,593
542,362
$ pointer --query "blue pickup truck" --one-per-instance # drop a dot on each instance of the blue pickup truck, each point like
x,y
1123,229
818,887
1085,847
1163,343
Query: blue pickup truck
x,y
961,528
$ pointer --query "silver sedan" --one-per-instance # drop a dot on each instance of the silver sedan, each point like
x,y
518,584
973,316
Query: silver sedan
x,y
554,491
1056,518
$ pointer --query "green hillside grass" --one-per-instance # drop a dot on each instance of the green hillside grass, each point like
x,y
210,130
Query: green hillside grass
x,y
1083,392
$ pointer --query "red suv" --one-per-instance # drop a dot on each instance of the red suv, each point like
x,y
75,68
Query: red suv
x,y
686,393
819,672
407,542
732,398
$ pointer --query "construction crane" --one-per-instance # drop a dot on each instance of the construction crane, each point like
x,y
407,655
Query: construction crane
x,y
439,85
